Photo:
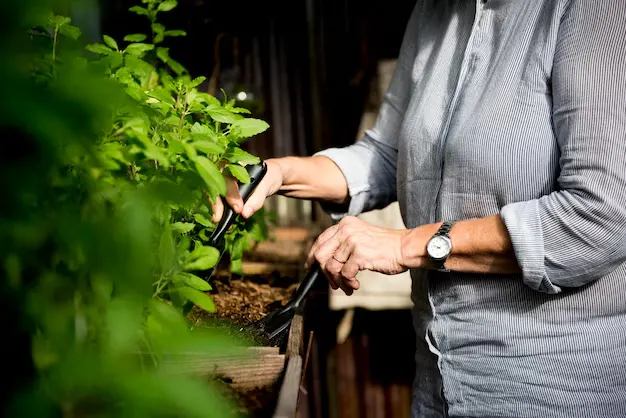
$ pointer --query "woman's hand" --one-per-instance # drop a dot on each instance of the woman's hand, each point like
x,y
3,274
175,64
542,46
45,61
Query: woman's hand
x,y
270,184
354,245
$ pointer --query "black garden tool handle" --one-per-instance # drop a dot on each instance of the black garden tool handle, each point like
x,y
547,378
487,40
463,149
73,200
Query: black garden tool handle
x,y
304,289
256,172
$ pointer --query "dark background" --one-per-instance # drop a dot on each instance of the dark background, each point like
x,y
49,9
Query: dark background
x,y
308,63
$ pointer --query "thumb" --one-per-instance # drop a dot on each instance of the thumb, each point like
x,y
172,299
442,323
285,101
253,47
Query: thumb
x,y
255,201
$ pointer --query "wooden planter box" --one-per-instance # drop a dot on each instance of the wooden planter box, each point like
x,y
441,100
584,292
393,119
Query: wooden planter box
x,y
252,368
266,370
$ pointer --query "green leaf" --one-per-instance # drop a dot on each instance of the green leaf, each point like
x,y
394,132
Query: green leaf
x,y
158,28
203,220
155,153
162,95
175,33
174,144
136,37
199,128
191,151
202,258
110,42
236,266
99,49
208,147
59,21
246,128
167,316
220,114
209,99
198,298
191,96
70,31
139,10
138,49
211,175
166,250
192,280
176,66
239,173
138,66
123,319
237,250
197,81
167,5
237,155
205,234
239,110
183,227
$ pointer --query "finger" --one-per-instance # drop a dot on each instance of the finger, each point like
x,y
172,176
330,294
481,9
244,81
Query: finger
x,y
217,208
255,201
325,251
331,280
354,284
233,198
347,290
350,269
321,239
344,251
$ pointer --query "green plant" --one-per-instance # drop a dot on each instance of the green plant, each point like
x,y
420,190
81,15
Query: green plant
x,y
107,167
172,132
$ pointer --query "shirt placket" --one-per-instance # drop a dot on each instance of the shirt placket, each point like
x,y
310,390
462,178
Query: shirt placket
x,y
437,343
469,54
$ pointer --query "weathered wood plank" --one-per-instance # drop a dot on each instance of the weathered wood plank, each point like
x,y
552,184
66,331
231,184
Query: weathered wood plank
x,y
243,369
290,388
295,340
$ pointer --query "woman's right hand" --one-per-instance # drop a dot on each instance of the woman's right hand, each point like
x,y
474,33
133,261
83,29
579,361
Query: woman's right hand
x,y
270,184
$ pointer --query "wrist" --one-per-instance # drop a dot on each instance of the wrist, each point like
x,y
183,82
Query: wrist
x,y
413,246
281,168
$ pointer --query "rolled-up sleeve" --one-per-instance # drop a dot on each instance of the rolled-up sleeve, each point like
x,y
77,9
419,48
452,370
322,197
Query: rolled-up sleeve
x,y
369,165
577,234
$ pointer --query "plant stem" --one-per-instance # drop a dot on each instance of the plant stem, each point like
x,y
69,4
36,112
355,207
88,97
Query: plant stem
x,y
54,50
182,119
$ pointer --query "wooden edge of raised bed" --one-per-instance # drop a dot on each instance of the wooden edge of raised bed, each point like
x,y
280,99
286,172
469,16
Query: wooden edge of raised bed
x,y
287,404
246,369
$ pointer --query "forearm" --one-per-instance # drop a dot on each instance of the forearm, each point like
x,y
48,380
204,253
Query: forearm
x,y
315,177
478,246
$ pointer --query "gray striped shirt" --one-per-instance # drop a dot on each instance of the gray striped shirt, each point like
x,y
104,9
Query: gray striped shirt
x,y
516,107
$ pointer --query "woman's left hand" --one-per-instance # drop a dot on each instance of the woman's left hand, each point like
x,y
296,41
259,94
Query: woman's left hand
x,y
354,245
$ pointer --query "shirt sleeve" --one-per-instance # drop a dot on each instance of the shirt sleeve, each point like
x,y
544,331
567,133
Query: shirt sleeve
x,y
577,234
369,165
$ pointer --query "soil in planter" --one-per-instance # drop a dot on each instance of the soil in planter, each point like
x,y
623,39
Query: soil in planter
x,y
243,300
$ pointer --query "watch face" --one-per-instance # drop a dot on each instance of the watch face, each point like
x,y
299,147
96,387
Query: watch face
x,y
438,247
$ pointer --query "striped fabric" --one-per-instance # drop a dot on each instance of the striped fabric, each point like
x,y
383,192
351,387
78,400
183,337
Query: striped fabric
x,y
516,107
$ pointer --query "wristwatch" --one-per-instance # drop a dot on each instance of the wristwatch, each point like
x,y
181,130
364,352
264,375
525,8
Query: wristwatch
x,y
439,246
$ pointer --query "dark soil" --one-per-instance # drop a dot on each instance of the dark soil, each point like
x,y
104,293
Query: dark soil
x,y
241,301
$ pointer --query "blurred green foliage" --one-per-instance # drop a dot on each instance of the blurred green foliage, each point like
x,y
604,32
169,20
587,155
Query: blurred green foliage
x,y
108,164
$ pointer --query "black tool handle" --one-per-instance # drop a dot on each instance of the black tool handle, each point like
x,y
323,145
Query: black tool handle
x,y
305,288
256,172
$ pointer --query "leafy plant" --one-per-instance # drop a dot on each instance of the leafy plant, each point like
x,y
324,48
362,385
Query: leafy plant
x,y
108,166
175,133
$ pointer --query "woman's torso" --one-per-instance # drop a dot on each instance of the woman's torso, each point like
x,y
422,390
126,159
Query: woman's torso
x,y
478,135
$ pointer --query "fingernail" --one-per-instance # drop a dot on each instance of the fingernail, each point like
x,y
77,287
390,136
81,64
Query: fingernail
x,y
246,212
236,207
